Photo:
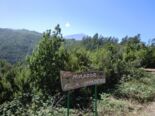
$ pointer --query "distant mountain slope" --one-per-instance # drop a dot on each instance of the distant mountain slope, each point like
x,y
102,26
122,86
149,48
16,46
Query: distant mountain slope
x,y
16,44
75,36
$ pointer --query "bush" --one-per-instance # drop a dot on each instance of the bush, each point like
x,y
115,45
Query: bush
x,y
46,62
6,81
111,106
136,90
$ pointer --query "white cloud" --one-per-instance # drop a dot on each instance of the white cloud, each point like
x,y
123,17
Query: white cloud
x,y
67,24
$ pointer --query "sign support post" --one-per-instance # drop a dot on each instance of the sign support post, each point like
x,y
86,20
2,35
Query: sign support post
x,y
68,102
95,101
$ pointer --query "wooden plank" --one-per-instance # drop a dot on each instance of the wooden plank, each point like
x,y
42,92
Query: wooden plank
x,y
71,80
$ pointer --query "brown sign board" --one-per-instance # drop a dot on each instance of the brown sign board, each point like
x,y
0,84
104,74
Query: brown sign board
x,y
71,80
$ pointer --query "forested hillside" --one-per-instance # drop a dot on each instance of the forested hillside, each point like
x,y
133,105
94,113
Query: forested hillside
x,y
16,44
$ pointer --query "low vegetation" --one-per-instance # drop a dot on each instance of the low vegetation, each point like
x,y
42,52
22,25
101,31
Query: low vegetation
x,y
33,87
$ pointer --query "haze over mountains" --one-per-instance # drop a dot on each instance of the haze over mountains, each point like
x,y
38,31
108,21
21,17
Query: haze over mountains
x,y
16,44
75,36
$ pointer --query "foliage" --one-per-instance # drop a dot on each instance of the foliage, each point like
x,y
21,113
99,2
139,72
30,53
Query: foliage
x,y
46,62
149,60
33,86
134,51
6,81
14,80
78,60
141,89
111,106
92,43
22,81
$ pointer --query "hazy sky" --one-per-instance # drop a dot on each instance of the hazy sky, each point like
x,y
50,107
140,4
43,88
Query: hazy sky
x,y
108,17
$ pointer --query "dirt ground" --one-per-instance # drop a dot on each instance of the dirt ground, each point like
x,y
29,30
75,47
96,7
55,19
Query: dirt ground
x,y
148,110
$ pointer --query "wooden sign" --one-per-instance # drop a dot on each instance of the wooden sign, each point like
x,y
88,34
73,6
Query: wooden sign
x,y
71,80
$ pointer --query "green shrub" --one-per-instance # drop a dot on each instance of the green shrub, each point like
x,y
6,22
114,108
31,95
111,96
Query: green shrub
x,y
108,105
6,81
136,90
46,62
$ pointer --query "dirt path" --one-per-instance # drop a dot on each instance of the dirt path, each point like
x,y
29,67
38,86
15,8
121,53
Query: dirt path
x,y
148,110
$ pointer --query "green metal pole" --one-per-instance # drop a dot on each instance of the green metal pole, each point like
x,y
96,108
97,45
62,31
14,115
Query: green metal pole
x,y
68,100
95,101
